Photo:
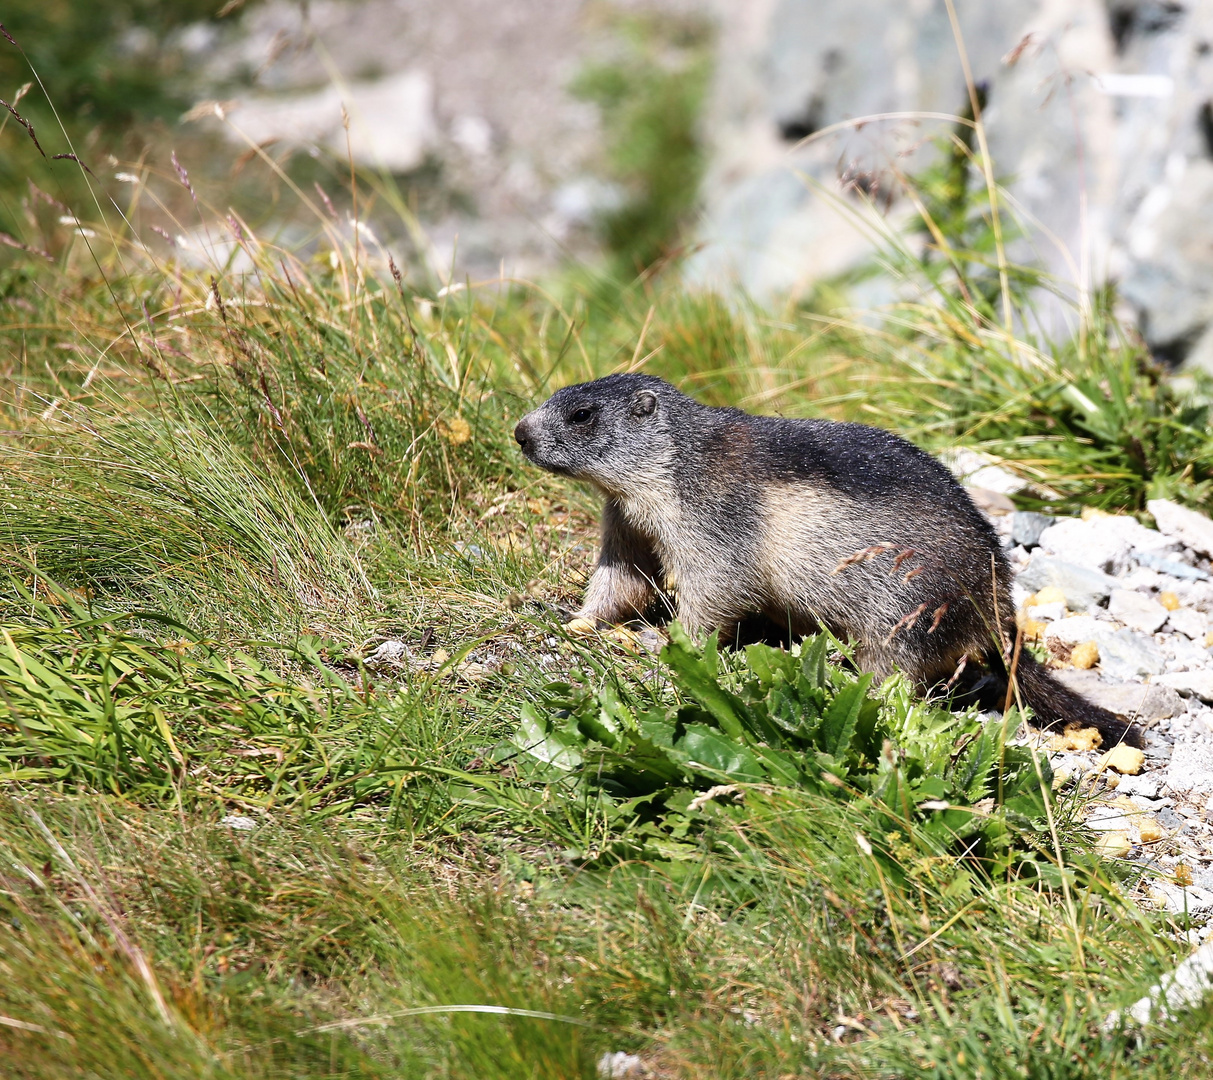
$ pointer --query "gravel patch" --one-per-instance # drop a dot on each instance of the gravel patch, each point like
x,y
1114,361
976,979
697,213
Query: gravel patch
x,y
1141,599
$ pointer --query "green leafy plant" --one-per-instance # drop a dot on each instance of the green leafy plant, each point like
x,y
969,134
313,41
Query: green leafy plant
x,y
792,719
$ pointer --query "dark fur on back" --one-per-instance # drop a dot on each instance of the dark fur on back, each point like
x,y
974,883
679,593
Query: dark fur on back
x,y
809,523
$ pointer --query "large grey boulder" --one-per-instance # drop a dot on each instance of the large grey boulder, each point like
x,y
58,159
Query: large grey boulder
x,y
1098,113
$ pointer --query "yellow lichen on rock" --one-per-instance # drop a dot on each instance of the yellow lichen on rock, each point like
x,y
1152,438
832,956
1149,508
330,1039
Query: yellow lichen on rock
x,y
1085,655
1169,600
1050,594
1124,759
1114,845
1150,830
1033,629
1075,738
625,638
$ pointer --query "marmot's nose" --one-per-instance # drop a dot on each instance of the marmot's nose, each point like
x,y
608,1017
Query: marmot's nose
x,y
522,433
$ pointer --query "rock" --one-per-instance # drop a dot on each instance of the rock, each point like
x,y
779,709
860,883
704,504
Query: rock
x,y
1106,818
1127,654
621,1066
1077,629
239,822
391,120
390,653
1137,611
1189,683
1186,526
1190,771
1184,988
1189,622
1084,588
1136,701
1102,543
989,502
1144,785
1046,612
1026,527
1170,818
1197,594
1184,654
981,471
1192,900
1173,567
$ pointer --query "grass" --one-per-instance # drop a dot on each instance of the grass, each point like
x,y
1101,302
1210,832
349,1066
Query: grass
x,y
234,848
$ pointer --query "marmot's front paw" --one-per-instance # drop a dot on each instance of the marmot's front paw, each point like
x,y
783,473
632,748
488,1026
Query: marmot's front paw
x,y
580,627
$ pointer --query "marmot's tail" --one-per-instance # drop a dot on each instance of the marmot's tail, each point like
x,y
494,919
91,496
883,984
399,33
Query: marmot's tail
x,y
1054,705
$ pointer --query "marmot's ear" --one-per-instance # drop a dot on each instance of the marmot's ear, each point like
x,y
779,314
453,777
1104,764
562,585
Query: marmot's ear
x,y
644,403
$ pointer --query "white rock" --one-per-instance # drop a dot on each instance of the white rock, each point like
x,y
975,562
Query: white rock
x,y
1077,629
620,1066
1197,594
1102,543
1144,701
1186,655
1145,580
1193,900
1187,526
1144,785
1108,819
1047,612
976,469
1190,770
1136,610
390,653
239,822
391,120
1127,654
1189,622
1084,587
1183,988
1190,683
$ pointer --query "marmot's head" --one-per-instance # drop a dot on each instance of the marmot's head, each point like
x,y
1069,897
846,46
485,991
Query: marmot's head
x,y
615,432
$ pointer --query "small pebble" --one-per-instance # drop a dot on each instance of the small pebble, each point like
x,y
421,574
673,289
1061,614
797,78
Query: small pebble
x,y
239,822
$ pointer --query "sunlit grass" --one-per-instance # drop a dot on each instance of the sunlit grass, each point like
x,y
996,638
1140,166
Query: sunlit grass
x,y
221,489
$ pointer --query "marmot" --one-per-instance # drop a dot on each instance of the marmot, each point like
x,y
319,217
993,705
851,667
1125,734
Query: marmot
x,y
811,523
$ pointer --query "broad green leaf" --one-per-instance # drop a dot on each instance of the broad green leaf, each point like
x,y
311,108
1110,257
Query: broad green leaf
x,y
705,746
842,715
554,747
698,679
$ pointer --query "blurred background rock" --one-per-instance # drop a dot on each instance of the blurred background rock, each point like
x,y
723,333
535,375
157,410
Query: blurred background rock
x,y
526,137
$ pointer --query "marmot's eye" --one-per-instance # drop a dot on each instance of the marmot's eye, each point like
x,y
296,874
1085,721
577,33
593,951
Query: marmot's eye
x,y
581,416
